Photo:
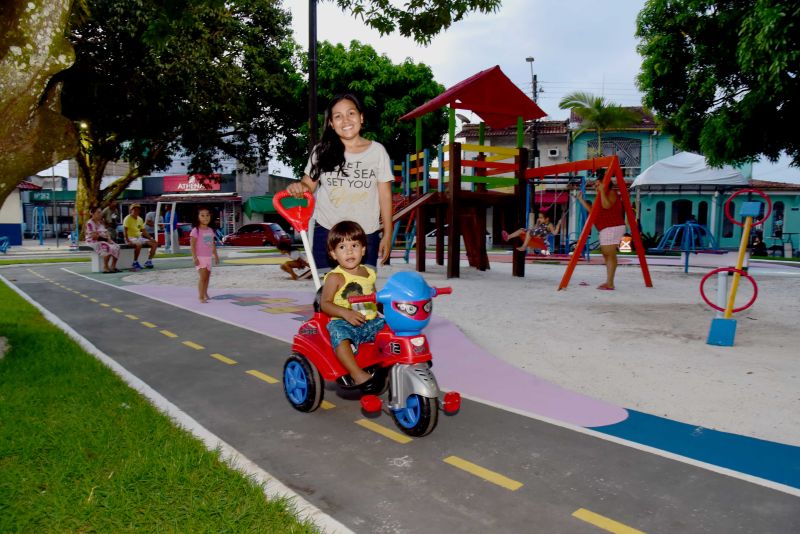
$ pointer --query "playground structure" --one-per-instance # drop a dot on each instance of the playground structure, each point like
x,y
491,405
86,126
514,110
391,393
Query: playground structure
x,y
723,329
456,184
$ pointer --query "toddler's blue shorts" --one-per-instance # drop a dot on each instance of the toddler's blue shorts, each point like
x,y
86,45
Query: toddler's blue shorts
x,y
339,329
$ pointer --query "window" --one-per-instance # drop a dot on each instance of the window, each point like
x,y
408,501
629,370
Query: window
x,y
777,219
727,225
628,150
681,211
660,209
702,213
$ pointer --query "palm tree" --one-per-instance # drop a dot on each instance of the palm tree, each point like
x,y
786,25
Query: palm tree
x,y
597,114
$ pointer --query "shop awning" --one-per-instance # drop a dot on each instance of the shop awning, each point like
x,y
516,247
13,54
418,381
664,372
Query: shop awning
x,y
263,204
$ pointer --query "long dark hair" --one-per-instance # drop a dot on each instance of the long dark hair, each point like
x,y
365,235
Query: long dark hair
x,y
196,220
329,151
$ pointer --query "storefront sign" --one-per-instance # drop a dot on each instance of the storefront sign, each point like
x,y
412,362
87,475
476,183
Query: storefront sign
x,y
41,196
191,183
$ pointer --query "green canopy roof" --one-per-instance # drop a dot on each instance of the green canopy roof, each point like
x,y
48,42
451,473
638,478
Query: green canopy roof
x,y
263,204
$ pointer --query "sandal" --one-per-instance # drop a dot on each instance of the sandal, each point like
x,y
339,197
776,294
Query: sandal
x,y
604,287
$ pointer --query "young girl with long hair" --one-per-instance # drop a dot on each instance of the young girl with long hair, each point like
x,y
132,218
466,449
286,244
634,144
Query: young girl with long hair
x,y
204,250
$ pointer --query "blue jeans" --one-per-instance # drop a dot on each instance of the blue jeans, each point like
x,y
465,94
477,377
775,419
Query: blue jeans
x,y
340,330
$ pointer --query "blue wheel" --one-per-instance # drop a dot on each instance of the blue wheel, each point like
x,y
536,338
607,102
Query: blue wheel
x,y
419,417
302,384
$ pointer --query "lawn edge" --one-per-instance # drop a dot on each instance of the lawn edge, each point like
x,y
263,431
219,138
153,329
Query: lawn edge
x,y
273,488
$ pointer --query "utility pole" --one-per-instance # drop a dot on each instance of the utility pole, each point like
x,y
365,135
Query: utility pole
x,y
313,126
534,93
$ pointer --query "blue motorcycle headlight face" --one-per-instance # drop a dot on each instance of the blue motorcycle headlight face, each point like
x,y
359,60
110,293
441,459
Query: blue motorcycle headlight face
x,y
419,310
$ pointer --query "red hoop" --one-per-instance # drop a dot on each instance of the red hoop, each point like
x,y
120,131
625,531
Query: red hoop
x,y
299,215
741,191
730,270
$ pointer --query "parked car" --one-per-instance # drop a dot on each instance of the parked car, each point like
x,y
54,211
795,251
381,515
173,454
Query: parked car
x,y
430,239
257,235
183,230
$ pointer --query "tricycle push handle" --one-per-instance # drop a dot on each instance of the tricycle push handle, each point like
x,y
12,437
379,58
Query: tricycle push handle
x,y
442,291
361,298
297,215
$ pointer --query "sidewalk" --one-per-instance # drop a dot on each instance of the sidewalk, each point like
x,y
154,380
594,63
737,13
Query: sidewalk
x,y
32,247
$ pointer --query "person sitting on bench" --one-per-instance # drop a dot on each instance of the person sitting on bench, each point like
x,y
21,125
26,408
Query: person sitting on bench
x,y
136,235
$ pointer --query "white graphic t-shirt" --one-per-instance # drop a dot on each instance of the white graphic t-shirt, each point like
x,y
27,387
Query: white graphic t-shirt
x,y
353,197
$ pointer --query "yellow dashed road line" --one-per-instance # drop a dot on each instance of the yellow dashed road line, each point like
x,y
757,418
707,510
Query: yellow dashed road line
x,y
193,345
168,333
117,310
94,300
263,376
223,359
604,522
103,304
85,296
482,472
148,325
132,317
325,405
383,431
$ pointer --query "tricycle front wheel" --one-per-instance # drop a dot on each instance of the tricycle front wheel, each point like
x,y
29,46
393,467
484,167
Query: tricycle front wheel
x,y
302,383
419,417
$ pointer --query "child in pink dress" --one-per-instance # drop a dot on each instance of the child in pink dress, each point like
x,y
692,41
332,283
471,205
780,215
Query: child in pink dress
x,y
203,250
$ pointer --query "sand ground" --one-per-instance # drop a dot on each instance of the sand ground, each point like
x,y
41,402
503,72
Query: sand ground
x,y
636,347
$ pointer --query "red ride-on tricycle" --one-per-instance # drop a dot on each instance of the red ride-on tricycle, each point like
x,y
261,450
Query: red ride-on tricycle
x,y
399,359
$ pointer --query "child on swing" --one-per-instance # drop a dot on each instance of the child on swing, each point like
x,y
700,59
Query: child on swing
x,y
542,230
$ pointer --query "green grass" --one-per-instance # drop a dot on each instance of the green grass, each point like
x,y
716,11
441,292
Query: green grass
x,y
80,451
83,259
28,261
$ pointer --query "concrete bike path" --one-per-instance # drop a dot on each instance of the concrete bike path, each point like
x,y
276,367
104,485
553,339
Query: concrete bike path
x,y
541,477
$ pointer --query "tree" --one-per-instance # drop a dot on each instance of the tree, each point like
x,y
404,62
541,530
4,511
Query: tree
x,y
386,90
33,133
207,77
419,20
597,114
723,76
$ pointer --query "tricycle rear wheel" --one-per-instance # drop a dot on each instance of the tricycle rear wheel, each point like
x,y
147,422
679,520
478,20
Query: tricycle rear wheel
x,y
302,383
419,417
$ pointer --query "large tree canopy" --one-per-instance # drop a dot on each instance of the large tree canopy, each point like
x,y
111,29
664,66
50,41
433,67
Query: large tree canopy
x,y
207,77
33,133
420,20
724,76
386,90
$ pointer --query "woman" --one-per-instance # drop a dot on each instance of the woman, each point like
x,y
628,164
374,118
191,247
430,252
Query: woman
x,y
610,222
352,177
99,239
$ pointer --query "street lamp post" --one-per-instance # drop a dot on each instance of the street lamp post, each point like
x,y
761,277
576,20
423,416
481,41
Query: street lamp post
x,y
313,125
535,125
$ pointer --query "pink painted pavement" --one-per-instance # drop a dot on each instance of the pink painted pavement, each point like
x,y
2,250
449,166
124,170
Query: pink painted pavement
x,y
460,365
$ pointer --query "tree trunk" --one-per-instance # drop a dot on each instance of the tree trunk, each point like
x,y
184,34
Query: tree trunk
x,y
33,133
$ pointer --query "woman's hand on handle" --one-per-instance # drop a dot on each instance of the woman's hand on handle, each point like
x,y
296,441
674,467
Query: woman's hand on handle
x,y
298,189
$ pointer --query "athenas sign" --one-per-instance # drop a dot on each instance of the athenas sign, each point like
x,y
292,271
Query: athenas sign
x,y
191,183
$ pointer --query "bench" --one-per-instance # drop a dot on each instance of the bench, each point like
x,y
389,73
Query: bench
x,y
125,257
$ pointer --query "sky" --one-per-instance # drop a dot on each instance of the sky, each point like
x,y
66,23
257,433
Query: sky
x,y
577,45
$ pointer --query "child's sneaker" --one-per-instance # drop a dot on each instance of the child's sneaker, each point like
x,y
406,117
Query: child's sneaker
x,y
148,264
136,266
